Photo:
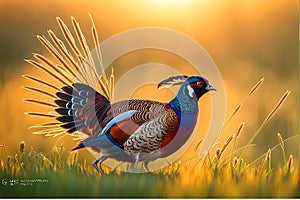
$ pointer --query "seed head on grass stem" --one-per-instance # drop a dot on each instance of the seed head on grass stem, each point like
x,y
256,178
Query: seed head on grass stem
x,y
233,137
267,159
289,163
218,153
278,105
22,146
225,145
240,128
235,161
280,140
282,149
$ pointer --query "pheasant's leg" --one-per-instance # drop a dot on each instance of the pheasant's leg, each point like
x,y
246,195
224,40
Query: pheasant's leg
x,y
146,166
137,158
100,159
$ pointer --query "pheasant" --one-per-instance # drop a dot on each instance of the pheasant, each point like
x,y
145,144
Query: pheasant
x,y
128,131
131,130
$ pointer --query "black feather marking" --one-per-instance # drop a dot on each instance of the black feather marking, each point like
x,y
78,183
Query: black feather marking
x,y
79,146
67,89
172,81
68,105
64,96
72,130
68,125
81,99
75,128
65,118
62,103
62,111
80,86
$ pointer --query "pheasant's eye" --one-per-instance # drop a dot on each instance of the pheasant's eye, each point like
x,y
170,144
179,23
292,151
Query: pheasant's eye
x,y
199,83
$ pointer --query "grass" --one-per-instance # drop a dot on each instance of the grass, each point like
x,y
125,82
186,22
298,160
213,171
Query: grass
x,y
60,174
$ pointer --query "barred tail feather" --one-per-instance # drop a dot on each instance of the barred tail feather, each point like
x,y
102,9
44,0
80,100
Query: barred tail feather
x,y
69,66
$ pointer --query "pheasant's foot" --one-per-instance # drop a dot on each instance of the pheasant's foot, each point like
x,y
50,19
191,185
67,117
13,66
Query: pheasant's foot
x,y
99,160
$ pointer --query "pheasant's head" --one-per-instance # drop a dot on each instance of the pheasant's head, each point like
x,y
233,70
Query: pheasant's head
x,y
192,88
196,86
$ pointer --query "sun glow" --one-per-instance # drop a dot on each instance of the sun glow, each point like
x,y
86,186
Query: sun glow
x,y
172,1
176,3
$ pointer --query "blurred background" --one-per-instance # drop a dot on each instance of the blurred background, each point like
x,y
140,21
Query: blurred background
x,y
247,40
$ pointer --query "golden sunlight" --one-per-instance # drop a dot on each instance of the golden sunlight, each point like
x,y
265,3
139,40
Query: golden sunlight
x,y
172,1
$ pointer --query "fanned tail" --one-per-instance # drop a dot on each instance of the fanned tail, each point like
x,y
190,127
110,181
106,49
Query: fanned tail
x,y
71,64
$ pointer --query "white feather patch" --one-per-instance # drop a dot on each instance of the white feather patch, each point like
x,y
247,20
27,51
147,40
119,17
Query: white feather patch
x,y
190,89
120,117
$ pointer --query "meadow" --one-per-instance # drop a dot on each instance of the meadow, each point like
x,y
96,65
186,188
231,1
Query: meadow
x,y
257,153
61,173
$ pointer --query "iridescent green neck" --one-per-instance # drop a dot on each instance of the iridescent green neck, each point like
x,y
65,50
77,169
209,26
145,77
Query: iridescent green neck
x,y
184,103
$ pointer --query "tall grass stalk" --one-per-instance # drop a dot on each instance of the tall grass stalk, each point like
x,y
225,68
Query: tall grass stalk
x,y
268,118
267,160
253,89
282,150
273,148
240,128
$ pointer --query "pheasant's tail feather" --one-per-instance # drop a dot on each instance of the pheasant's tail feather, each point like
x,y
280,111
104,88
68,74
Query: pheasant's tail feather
x,y
81,108
79,146
71,64
172,81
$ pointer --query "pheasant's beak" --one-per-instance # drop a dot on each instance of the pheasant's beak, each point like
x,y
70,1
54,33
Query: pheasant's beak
x,y
210,87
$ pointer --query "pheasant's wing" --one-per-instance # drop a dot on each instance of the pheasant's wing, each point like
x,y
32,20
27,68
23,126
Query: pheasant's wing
x,y
122,137
121,121
112,135
153,134
81,108
125,117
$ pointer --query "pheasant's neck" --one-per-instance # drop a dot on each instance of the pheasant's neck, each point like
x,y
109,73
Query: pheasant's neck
x,y
182,104
187,111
